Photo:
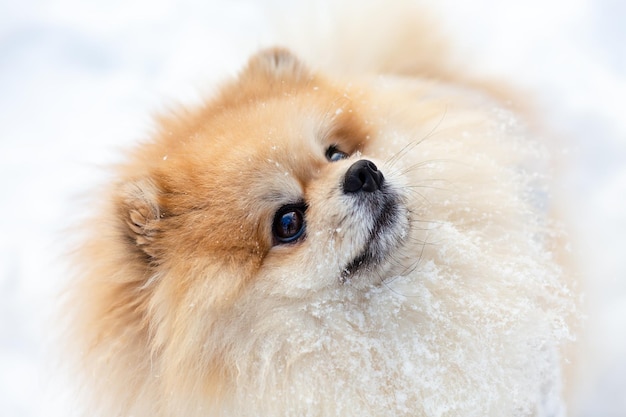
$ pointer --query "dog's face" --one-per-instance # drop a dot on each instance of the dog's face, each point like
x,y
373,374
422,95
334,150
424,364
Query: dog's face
x,y
272,181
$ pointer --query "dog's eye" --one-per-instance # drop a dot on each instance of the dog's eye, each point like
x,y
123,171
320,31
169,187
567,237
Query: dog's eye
x,y
333,154
289,223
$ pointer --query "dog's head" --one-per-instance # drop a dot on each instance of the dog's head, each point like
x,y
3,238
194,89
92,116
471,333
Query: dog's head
x,y
271,179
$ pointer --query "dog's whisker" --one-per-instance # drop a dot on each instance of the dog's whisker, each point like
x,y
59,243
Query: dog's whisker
x,y
391,161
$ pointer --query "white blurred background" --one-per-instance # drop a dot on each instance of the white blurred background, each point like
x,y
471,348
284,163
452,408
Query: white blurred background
x,y
81,79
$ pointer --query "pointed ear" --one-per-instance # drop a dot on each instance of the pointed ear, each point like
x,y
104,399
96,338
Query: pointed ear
x,y
277,64
139,211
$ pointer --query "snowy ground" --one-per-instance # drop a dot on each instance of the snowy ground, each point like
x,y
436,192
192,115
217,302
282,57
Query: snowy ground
x,y
80,79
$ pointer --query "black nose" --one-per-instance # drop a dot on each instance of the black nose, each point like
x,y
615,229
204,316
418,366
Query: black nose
x,y
362,176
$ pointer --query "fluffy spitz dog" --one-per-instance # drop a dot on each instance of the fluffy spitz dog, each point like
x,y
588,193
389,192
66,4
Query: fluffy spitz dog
x,y
310,243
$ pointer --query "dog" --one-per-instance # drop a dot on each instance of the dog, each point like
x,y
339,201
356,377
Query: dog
x,y
311,243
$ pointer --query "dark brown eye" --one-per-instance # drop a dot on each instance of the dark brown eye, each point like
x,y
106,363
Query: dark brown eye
x,y
289,223
333,154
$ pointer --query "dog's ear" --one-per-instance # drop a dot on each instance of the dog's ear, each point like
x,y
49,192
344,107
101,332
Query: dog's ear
x,y
271,72
277,65
140,215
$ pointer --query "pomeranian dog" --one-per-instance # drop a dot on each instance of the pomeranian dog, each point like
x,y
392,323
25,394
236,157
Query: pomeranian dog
x,y
367,242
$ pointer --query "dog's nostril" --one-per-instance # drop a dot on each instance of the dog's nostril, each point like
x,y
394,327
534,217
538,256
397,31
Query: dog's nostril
x,y
364,176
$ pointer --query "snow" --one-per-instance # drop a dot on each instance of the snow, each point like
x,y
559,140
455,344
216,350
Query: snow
x,y
78,80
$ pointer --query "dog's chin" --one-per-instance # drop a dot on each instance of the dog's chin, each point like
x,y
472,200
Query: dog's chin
x,y
378,260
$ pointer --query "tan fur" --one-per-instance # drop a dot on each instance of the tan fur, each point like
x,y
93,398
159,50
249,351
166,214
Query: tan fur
x,y
185,305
